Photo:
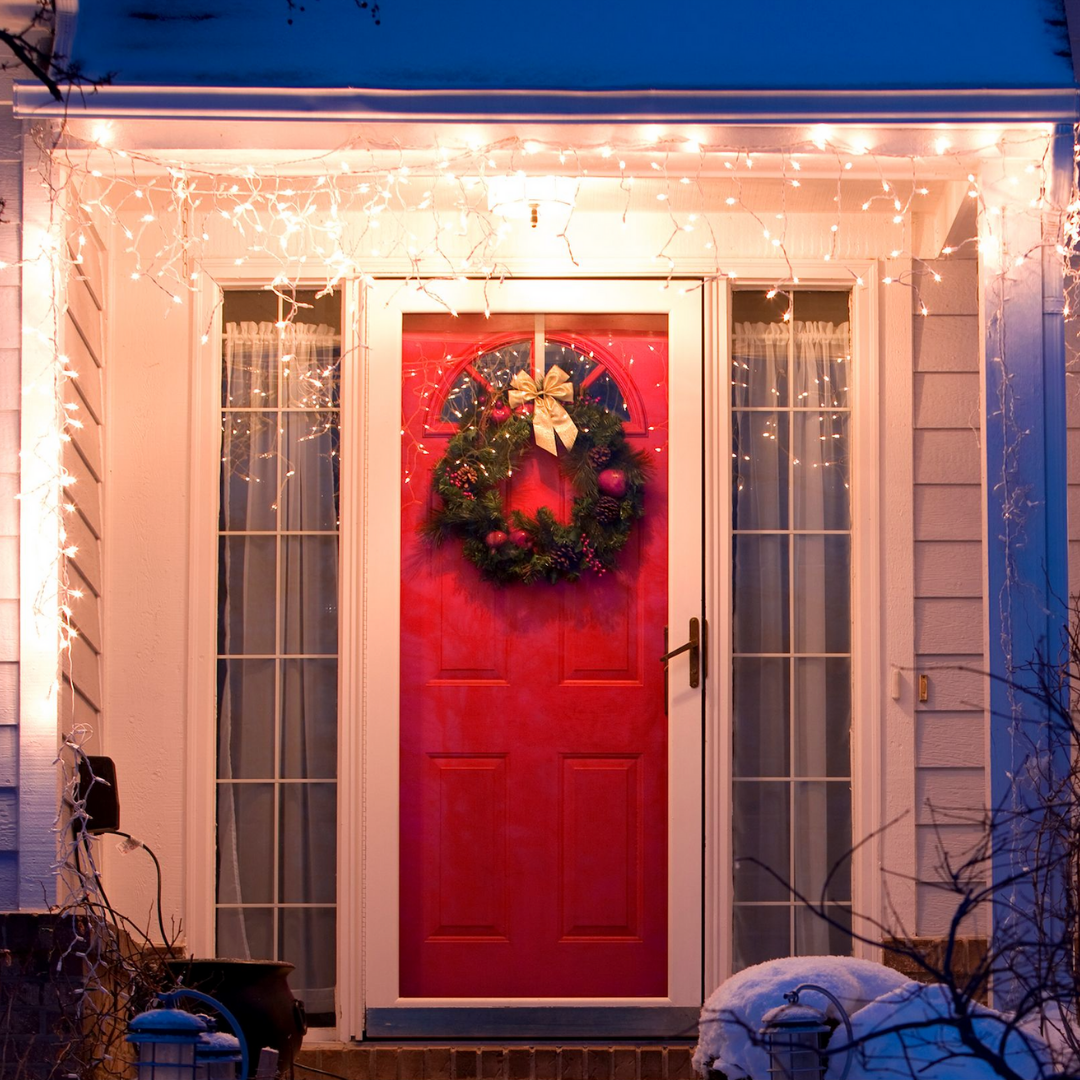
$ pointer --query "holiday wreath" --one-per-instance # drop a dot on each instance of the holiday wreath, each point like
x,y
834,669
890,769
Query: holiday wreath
x,y
607,473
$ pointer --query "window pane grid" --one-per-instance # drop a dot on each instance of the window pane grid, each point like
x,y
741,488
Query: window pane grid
x,y
276,779
284,410
267,907
277,702
791,591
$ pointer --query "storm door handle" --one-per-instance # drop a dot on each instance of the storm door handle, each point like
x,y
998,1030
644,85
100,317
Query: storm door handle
x,y
693,646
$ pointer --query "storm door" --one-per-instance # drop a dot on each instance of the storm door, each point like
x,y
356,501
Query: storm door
x,y
549,781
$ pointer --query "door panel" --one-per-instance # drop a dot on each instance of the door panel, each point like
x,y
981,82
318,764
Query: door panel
x,y
533,710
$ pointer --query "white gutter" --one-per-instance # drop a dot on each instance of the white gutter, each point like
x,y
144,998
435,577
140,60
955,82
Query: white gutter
x,y
1051,104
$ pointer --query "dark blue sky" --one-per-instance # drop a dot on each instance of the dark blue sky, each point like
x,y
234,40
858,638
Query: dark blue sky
x,y
586,44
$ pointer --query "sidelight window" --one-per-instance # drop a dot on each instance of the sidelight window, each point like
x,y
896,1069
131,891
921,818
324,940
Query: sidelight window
x,y
792,627
277,640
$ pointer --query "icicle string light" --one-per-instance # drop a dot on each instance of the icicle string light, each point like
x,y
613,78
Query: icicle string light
x,y
371,206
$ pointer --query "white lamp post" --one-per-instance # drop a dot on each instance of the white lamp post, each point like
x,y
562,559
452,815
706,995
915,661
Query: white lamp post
x,y
795,1035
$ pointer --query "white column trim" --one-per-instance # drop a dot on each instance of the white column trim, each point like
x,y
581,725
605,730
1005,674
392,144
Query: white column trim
x,y
200,879
37,647
718,745
352,673
895,755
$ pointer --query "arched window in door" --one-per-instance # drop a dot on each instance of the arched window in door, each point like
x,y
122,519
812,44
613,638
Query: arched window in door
x,y
496,363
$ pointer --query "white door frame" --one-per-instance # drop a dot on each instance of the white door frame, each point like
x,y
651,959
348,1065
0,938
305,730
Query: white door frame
x,y
882,444
871,527
382,308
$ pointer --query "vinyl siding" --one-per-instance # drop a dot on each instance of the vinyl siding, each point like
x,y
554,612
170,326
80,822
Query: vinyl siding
x,y
948,584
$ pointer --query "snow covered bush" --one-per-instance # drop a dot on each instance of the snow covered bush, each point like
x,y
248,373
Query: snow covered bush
x,y
916,1032
901,1028
731,1018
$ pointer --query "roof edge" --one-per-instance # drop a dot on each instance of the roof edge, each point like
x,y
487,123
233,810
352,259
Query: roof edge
x,y
1050,104
1072,24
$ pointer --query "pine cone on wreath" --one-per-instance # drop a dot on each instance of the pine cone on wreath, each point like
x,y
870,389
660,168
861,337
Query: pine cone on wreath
x,y
607,510
463,477
564,557
599,456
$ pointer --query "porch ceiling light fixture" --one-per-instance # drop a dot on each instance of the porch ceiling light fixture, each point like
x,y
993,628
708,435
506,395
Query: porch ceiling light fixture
x,y
521,196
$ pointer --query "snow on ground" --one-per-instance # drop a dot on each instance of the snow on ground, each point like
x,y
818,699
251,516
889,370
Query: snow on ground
x,y
928,1045
731,1018
1060,1029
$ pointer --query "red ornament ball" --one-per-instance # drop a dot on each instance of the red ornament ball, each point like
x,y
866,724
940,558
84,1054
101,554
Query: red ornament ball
x,y
495,539
612,482
520,538
524,409
500,412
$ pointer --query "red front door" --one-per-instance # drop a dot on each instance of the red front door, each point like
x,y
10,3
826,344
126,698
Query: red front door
x,y
534,747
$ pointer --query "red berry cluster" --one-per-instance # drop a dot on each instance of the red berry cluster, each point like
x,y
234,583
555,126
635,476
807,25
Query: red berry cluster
x,y
590,556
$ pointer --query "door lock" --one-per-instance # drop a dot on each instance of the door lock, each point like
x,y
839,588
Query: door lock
x,y
693,647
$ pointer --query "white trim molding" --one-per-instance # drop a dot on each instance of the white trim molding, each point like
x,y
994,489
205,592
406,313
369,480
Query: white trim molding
x,y
872,514
372,104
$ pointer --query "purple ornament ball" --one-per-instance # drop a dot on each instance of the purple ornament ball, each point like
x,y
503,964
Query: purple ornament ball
x,y
520,538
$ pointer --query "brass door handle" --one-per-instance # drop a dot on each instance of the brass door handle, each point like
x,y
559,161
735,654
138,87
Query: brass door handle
x,y
693,646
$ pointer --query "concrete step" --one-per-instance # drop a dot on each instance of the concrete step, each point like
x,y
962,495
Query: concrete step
x,y
669,1060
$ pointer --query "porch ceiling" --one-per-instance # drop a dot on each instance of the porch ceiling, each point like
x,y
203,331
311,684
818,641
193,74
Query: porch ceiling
x,y
862,152
912,181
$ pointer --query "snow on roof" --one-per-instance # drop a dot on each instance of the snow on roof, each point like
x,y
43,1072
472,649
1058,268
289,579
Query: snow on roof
x,y
586,45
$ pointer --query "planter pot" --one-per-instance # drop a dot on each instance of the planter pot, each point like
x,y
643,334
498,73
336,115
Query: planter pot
x,y
257,993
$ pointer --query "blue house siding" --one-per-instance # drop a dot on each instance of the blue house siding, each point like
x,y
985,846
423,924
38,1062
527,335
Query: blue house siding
x,y
1027,563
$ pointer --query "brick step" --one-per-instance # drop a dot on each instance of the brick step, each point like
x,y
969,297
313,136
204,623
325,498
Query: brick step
x,y
669,1060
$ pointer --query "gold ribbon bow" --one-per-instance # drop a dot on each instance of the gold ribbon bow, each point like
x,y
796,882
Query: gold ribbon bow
x,y
549,417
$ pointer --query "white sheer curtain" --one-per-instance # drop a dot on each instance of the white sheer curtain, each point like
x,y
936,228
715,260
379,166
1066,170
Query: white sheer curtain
x,y
277,698
791,513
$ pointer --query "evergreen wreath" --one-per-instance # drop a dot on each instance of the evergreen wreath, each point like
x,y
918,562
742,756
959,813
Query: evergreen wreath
x,y
607,473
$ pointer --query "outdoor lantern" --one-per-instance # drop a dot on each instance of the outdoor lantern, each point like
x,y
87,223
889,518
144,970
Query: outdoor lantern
x,y
794,1037
219,1055
216,1053
166,1040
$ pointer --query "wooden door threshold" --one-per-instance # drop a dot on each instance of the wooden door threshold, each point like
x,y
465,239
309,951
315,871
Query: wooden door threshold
x,y
534,1022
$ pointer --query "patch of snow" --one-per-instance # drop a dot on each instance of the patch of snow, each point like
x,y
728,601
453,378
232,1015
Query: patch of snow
x,y
732,1017
913,1032
1060,1030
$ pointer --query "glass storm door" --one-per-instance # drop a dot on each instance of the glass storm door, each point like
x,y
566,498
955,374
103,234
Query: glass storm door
x,y
549,803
